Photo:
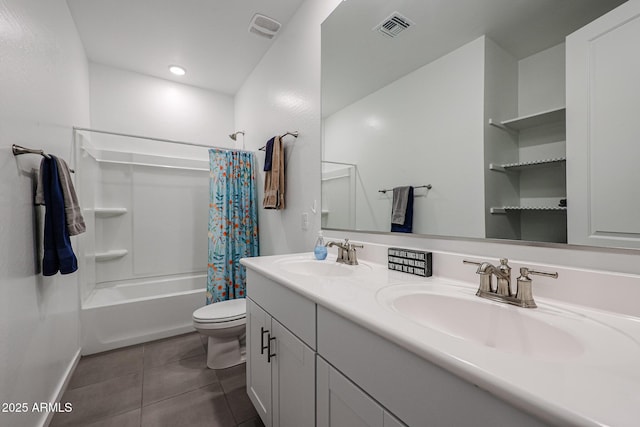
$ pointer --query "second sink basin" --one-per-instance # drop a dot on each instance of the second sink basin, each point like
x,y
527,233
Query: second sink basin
x,y
458,312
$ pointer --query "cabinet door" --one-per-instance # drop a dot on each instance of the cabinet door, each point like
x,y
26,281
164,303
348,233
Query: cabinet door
x,y
258,368
603,130
293,369
342,404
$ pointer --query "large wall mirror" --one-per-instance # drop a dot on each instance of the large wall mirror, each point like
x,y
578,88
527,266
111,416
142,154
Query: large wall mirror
x,y
463,100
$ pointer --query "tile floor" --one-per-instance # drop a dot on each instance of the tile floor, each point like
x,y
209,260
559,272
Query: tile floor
x,y
156,384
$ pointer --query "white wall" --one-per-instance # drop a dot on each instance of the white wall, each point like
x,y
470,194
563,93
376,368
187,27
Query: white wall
x,y
410,133
128,102
44,82
541,81
282,94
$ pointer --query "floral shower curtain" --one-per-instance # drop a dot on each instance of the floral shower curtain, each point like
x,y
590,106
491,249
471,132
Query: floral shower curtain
x,y
233,222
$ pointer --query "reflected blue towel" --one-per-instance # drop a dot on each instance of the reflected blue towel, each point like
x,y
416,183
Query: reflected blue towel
x,y
58,254
407,226
268,156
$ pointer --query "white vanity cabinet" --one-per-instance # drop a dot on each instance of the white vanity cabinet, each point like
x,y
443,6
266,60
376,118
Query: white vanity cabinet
x,y
308,366
413,389
280,365
603,130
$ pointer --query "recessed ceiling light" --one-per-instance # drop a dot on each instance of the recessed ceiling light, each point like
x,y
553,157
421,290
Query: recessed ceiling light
x,y
177,70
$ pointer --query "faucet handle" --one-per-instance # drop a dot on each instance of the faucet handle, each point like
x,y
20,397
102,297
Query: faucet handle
x,y
525,271
485,276
524,294
351,245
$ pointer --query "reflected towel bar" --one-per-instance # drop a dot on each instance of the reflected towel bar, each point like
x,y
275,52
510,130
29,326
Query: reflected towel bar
x,y
293,134
428,187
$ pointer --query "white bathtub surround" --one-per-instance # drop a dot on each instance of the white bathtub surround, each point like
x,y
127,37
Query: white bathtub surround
x,y
138,311
591,383
143,267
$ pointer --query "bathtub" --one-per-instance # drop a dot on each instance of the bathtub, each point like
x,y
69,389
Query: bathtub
x,y
138,311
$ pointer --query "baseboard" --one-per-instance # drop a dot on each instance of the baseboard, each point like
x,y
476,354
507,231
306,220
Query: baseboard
x,y
62,387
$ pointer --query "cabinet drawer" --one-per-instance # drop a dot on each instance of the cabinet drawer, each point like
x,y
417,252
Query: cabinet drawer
x,y
418,392
295,312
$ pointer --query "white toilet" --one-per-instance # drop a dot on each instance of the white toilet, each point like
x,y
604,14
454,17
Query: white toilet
x,y
224,323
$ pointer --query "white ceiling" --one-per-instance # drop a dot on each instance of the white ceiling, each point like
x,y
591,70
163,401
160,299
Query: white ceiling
x,y
207,37
357,61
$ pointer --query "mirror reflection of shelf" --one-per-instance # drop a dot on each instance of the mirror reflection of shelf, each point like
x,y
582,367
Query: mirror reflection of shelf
x,y
525,122
109,212
507,209
112,254
521,165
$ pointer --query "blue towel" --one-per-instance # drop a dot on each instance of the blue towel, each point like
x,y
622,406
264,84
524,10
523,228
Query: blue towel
x,y
268,156
407,226
58,253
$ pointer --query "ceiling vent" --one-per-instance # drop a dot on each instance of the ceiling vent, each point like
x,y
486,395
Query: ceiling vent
x,y
393,25
264,26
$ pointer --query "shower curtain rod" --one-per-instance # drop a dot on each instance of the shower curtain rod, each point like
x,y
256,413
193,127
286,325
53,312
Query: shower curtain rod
x,y
172,141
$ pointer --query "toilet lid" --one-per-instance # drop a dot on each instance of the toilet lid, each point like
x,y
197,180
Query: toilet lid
x,y
223,311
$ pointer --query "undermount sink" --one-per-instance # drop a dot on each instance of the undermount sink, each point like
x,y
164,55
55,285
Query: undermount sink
x,y
459,313
325,268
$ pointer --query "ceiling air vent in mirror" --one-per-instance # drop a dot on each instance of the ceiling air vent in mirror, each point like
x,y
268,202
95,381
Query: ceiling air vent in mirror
x,y
393,25
264,26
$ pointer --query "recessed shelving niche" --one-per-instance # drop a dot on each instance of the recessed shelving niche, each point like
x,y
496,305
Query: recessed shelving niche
x,y
537,175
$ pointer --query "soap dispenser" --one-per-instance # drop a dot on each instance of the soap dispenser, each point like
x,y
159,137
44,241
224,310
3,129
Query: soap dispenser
x,y
320,250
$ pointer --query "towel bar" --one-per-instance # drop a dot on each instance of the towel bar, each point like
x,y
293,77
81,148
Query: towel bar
x,y
428,187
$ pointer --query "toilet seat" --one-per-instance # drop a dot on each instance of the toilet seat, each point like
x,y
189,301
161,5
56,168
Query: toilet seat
x,y
226,312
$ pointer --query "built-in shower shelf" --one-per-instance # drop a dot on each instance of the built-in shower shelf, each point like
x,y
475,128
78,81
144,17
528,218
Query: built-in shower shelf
x,y
506,209
523,165
110,255
109,212
525,122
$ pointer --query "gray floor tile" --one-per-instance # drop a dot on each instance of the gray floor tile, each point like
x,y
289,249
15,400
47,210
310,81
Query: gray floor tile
x,y
176,378
128,419
204,407
103,366
233,378
172,349
240,405
255,422
98,401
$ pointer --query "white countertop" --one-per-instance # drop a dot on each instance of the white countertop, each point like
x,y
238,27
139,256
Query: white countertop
x,y
600,385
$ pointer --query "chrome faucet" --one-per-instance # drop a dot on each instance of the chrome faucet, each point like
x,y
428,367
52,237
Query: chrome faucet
x,y
502,291
346,252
